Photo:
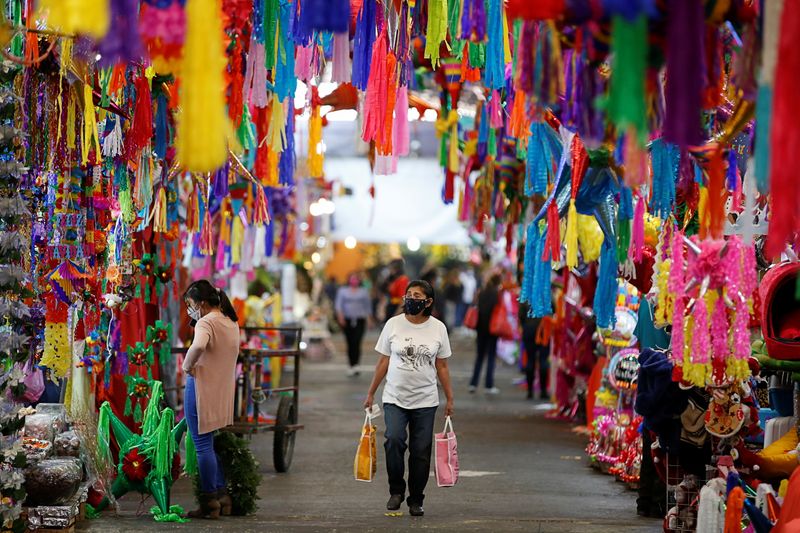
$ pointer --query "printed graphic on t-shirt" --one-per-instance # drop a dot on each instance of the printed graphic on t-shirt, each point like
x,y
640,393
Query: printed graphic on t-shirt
x,y
413,357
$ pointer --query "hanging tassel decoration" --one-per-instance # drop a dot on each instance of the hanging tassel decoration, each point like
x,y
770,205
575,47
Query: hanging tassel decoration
x,y
255,78
342,69
400,129
784,134
684,90
277,121
637,236
495,68
553,245
124,44
315,156
260,211
733,512
287,163
626,105
715,205
375,101
579,164
666,159
436,33
364,41
141,130
385,136
605,296
190,467
90,128
202,118
85,17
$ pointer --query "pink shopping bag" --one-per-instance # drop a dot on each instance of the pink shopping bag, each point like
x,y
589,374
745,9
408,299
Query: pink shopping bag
x,y
446,456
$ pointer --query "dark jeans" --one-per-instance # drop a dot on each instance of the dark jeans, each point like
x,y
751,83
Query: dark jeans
x,y
211,476
651,488
536,352
419,423
354,333
487,349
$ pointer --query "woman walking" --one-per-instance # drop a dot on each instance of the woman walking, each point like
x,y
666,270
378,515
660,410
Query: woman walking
x,y
488,298
210,368
536,341
353,308
414,348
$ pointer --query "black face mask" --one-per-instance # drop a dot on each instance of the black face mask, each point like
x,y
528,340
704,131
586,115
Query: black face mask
x,y
413,307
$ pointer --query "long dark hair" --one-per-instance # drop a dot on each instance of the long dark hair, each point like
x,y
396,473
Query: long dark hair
x,y
426,288
203,291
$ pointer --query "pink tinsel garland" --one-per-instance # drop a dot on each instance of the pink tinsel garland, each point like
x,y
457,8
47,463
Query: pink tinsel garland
x,y
701,348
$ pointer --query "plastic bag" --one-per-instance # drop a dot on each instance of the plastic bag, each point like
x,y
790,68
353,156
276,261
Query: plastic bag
x,y
366,462
446,456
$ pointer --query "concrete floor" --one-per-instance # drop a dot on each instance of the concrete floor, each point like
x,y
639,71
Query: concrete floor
x,y
520,471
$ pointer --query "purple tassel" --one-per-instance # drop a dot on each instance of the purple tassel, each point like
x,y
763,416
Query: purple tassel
x,y
473,21
685,52
364,41
122,43
221,182
328,15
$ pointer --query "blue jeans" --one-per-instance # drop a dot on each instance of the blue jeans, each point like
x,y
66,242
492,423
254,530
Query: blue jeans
x,y
211,476
419,423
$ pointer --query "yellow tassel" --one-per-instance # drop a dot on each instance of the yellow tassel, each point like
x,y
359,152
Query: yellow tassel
x,y
225,222
506,43
276,135
273,176
236,241
452,157
70,120
160,214
315,157
203,127
571,238
90,127
702,211
86,17
590,237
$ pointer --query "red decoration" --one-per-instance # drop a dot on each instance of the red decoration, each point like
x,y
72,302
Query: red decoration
x,y
135,466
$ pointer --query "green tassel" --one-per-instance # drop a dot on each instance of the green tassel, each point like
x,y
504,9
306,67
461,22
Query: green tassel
x,y
190,466
626,104
150,422
271,17
491,147
437,30
623,239
477,55
103,432
128,410
163,445
453,18
137,413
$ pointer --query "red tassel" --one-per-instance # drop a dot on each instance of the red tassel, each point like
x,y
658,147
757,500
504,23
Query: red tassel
x,y
384,138
377,88
141,130
261,118
785,134
552,246
716,195
235,77
449,186
538,10
467,72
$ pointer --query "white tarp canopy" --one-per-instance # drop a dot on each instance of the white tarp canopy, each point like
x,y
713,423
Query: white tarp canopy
x,y
407,204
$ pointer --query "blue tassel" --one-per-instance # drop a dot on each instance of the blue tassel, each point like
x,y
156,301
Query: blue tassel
x,y
630,9
364,40
625,204
257,20
286,164
666,158
494,75
162,126
303,30
328,15
285,80
542,301
542,147
605,295
731,179
763,126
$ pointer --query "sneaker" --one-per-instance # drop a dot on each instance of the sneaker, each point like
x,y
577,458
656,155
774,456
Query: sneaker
x,y
351,371
394,502
493,391
472,389
416,509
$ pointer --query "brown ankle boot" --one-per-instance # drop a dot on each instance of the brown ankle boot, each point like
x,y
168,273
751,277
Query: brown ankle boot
x,y
225,502
209,507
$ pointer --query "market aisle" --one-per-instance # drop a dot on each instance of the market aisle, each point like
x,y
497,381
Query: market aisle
x,y
521,472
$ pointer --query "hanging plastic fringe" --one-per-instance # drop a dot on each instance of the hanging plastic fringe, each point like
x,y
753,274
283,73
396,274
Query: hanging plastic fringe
x,y
666,160
342,69
287,163
123,45
495,73
202,118
90,128
436,33
276,137
637,235
784,135
400,130
375,103
624,217
605,296
364,41
626,105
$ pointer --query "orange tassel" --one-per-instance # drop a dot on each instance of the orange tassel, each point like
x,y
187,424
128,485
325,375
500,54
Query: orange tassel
x,y
384,137
733,514
519,125
716,195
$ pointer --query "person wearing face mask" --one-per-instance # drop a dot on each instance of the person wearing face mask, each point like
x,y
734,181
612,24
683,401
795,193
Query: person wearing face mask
x,y
210,368
353,306
414,349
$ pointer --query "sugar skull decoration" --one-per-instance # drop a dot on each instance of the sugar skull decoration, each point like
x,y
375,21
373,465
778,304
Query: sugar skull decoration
x,y
626,313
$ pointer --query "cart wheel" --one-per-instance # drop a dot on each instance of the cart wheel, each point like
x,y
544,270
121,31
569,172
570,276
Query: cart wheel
x,y
283,447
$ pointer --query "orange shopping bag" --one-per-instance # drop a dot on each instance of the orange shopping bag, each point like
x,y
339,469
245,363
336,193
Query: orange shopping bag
x,y
366,463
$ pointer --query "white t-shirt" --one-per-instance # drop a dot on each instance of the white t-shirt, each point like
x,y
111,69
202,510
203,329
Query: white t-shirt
x,y
413,350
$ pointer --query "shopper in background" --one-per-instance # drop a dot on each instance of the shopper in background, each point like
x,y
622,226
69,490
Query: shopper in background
x,y
486,343
353,309
536,341
395,287
210,368
469,286
453,292
414,348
